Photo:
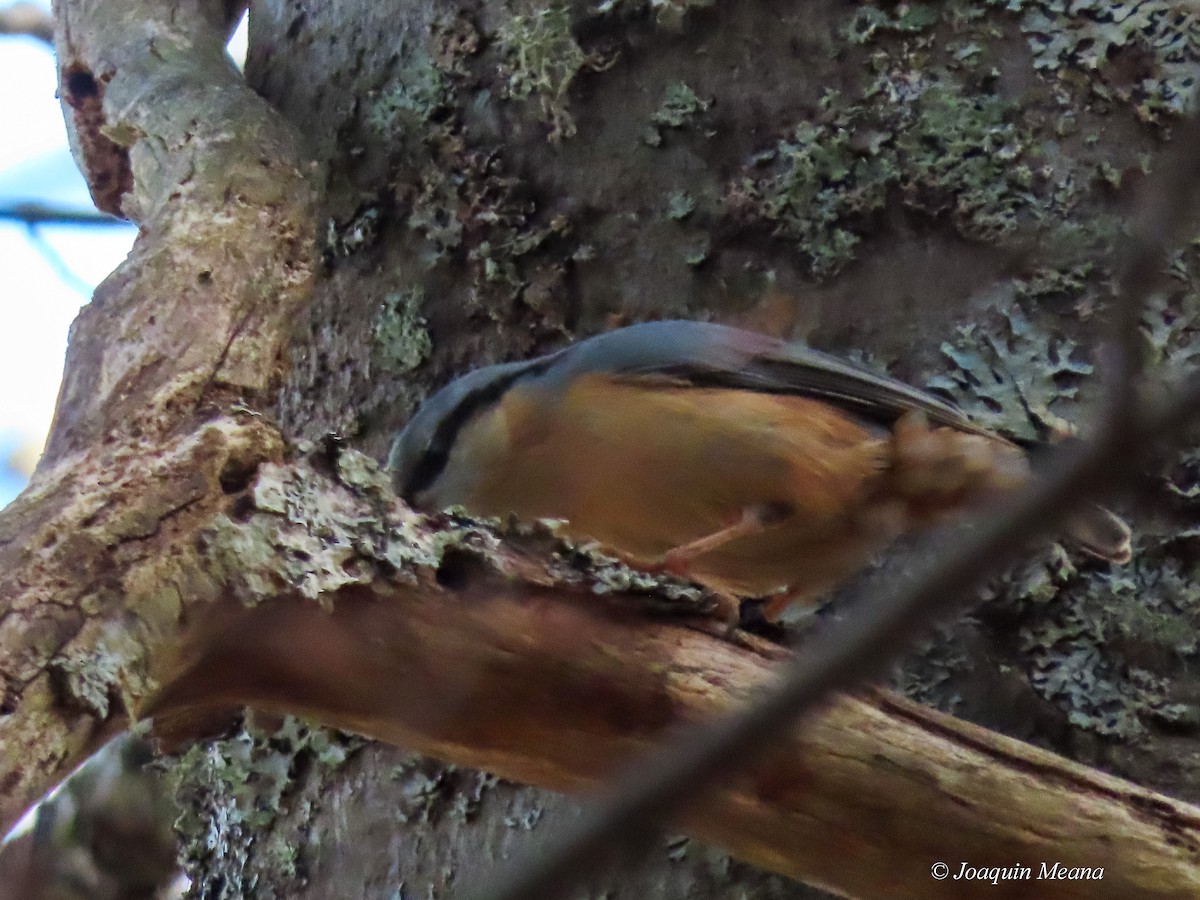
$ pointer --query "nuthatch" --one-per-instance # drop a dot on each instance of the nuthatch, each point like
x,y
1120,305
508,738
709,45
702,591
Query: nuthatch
x,y
756,467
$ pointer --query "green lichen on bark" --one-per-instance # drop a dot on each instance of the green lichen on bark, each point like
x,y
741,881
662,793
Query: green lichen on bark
x,y
431,791
680,205
405,104
93,679
1012,376
402,339
819,186
948,151
543,59
1109,647
469,212
680,106
305,534
670,14
1106,646
867,22
932,127
1171,317
404,110
236,788
1143,53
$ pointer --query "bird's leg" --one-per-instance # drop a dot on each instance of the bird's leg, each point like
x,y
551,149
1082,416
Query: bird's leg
x,y
774,606
753,520
678,560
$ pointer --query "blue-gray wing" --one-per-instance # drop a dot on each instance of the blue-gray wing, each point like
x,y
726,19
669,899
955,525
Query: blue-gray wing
x,y
704,354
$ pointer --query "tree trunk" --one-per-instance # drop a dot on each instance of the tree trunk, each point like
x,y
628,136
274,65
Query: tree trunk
x,y
417,189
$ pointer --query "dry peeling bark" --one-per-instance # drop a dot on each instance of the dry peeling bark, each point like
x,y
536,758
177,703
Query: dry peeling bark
x,y
167,501
166,369
514,673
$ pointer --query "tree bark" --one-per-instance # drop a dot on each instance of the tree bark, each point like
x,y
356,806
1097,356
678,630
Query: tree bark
x,y
565,691
167,368
271,298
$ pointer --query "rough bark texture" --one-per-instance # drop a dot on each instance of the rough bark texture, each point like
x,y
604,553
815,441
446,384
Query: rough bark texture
x,y
549,690
937,189
157,416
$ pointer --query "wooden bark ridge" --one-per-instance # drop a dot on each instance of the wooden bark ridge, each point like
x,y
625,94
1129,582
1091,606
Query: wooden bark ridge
x,y
514,670
171,546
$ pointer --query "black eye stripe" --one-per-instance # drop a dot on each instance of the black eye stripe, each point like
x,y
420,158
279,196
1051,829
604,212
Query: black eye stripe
x,y
433,461
436,455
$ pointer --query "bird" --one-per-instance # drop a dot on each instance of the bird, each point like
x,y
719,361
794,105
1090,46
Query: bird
x,y
756,467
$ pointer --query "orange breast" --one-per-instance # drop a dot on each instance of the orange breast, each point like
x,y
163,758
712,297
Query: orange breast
x,y
644,469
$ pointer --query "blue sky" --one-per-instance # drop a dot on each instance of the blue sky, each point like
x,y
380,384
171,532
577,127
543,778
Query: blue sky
x,y
45,276
38,299
48,274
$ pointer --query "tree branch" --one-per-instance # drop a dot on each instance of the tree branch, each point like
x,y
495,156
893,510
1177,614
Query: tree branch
x,y
435,636
192,324
516,673
40,214
163,501
224,198
27,19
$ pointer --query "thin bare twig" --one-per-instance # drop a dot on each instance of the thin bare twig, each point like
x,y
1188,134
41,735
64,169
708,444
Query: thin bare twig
x,y
55,261
1160,215
41,214
27,19
866,641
